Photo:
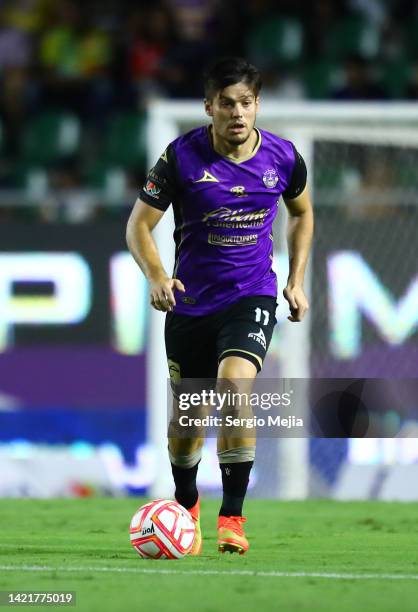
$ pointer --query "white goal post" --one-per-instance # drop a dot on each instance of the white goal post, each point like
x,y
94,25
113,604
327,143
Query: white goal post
x,y
303,123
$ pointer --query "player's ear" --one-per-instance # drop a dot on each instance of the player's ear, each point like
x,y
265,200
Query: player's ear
x,y
208,107
257,103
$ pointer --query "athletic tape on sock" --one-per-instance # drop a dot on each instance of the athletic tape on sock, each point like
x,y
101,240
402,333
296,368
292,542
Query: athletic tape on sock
x,y
237,455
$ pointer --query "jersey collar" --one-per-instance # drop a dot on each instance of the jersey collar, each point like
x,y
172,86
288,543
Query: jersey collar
x,y
231,159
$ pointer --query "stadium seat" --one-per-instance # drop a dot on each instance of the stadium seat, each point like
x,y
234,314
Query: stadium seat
x,y
111,181
276,40
329,177
125,144
353,36
394,76
320,79
32,180
49,138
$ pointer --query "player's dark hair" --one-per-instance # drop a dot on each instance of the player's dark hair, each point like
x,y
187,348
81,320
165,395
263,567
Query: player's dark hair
x,y
229,71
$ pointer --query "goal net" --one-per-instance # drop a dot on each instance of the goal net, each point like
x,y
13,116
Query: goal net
x,y
362,282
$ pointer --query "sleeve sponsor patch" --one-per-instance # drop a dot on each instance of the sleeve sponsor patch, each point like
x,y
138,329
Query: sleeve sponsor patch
x,y
152,189
161,186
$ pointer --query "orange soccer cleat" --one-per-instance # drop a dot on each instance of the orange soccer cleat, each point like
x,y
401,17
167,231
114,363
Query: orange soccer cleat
x,y
231,535
197,544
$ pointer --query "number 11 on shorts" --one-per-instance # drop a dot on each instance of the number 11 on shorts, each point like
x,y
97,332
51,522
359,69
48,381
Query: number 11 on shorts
x,y
258,313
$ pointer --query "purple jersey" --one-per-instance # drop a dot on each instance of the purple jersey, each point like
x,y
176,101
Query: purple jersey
x,y
224,212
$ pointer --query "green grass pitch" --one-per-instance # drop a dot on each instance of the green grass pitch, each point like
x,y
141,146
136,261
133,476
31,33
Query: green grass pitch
x,y
340,556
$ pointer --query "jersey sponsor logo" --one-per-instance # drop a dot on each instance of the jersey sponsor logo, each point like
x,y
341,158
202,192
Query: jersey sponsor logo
x,y
152,189
270,178
228,241
259,337
239,217
239,191
188,300
207,178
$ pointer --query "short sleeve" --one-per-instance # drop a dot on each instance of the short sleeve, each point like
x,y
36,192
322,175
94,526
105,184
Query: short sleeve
x,y
161,185
298,178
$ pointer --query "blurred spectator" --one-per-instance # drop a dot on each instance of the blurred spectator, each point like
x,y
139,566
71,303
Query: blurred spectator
x,y
194,19
28,15
151,37
193,47
18,92
373,11
59,47
15,44
320,19
14,107
106,59
75,56
359,83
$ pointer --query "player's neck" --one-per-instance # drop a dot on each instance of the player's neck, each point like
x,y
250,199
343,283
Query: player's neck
x,y
236,152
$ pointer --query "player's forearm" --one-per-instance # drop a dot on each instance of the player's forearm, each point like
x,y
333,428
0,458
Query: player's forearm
x,y
299,240
143,249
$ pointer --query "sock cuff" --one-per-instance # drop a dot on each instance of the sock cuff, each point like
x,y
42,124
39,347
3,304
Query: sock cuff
x,y
186,461
240,454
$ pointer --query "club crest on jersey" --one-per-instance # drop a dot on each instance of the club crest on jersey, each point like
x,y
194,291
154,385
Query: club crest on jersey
x,y
207,178
152,189
239,191
270,178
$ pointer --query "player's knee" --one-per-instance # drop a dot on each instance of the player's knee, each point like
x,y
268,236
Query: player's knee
x,y
235,368
185,453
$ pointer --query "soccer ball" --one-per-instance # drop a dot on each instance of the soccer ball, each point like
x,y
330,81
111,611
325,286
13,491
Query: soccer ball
x,y
162,529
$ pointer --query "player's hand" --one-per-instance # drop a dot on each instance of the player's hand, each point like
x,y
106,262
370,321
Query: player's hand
x,y
298,304
162,293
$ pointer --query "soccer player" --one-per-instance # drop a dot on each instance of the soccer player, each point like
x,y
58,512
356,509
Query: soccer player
x,y
224,182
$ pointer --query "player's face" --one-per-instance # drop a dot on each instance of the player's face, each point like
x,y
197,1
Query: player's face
x,y
233,111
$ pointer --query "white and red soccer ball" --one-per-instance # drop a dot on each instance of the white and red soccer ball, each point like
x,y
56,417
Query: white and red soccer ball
x,y
162,529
